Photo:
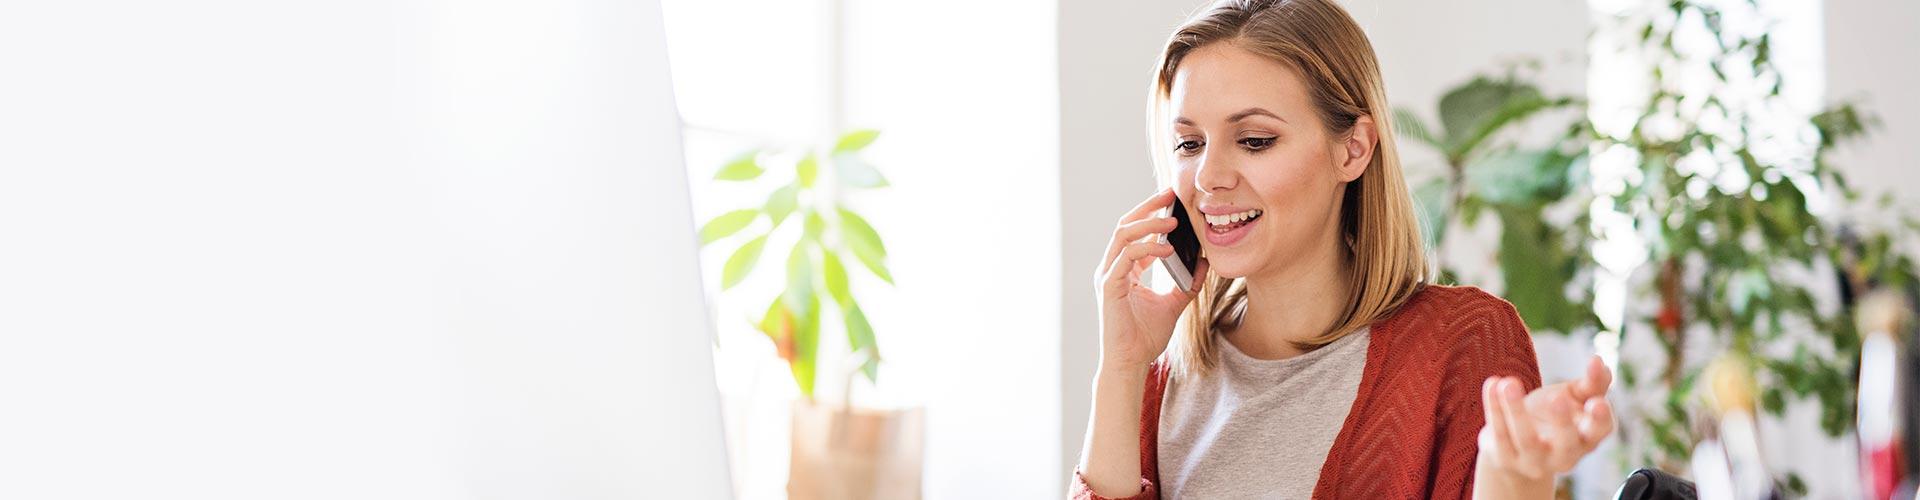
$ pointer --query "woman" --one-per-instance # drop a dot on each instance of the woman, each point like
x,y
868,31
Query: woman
x,y
1312,358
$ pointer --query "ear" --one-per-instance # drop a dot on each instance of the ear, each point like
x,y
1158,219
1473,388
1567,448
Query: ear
x,y
1357,150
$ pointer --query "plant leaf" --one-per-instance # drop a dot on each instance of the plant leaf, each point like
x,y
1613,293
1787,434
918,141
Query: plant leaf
x,y
865,243
835,276
855,141
741,262
726,224
815,225
1432,201
860,339
1475,110
745,167
807,170
1536,268
1518,177
782,202
857,173
778,324
1410,126
799,275
806,346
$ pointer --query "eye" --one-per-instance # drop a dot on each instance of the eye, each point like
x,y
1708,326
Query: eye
x,y
1257,143
1187,147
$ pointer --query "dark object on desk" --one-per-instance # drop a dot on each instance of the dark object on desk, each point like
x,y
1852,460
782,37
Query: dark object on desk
x,y
1650,484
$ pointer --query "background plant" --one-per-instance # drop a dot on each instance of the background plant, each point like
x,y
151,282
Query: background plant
x,y
829,234
1489,170
1719,192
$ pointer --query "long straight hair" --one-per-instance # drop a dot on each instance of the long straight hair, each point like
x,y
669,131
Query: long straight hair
x,y
1323,45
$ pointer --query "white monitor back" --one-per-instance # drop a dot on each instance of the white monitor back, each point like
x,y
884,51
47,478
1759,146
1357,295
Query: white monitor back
x,y
355,249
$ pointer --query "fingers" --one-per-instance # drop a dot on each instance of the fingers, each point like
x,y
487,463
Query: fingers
x,y
1595,383
1129,229
1598,422
1134,232
1160,199
1556,420
1546,431
1520,429
1494,438
1122,271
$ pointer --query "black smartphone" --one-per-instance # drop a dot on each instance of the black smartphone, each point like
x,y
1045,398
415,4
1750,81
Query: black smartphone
x,y
1186,248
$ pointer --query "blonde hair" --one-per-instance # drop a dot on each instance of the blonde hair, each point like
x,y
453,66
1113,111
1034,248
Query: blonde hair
x,y
1328,50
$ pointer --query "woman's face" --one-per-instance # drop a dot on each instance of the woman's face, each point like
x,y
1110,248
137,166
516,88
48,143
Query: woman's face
x,y
1253,159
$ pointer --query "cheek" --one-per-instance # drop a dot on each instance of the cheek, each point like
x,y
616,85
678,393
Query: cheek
x,y
1292,177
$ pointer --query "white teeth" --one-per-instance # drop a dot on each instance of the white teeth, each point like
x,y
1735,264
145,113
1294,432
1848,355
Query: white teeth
x,y
1221,220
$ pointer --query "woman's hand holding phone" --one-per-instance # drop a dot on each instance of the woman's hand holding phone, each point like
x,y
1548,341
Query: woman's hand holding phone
x,y
1135,322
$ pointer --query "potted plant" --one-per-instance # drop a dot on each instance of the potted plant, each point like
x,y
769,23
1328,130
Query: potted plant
x,y
839,451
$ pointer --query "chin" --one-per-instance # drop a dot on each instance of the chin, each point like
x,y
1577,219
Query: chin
x,y
1228,268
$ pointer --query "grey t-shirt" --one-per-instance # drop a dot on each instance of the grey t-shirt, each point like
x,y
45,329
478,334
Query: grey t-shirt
x,y
1257,428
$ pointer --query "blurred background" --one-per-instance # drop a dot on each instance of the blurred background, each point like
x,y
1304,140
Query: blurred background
x,y
901,204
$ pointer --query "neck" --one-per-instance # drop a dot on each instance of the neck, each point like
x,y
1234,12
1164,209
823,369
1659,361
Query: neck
x,y
1293,303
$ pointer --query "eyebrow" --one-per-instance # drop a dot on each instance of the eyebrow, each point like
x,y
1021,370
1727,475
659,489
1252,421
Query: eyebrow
x,y
1242,115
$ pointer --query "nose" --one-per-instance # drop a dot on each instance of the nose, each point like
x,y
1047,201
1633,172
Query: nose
x,y
1216,173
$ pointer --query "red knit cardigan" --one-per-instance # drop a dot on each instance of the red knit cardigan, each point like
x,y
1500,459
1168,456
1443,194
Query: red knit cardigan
x,y
1414,426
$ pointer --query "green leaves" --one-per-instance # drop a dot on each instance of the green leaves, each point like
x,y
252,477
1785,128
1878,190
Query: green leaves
x,y
726,224
1538,259
1520,177
744,168
1411,127
856,173
807,170
741,262
1537,268
865,243
834,276
806,346
814,265
782,202
1472,112
854,141
1431,200
799,275
860,339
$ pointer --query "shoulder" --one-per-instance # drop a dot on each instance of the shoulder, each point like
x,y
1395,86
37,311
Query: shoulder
x,y
1440,315
1465,327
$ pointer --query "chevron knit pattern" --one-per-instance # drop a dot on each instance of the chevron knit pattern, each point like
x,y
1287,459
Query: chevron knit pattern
x,y
1414,427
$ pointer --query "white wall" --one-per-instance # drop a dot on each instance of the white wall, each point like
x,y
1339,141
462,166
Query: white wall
x,y
1107,49
964,92
1869,54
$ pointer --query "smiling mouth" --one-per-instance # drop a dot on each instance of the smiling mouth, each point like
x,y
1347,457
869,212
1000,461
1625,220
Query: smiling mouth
x,y
1228,222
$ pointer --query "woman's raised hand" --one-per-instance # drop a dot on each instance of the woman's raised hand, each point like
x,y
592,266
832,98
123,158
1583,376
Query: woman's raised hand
x,y
1135,322
1531,438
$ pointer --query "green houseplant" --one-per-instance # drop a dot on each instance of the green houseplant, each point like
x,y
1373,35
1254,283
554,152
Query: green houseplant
x,y
841,451
831,234
1734,267
1486,171
1733,246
